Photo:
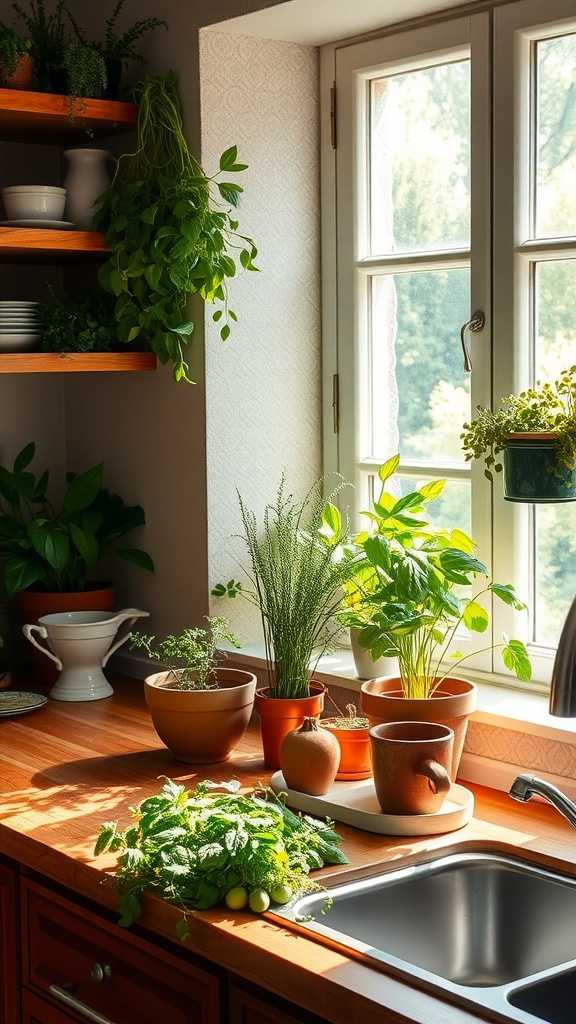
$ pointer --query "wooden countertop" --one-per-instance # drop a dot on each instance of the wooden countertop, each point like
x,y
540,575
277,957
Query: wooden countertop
x,y
69,767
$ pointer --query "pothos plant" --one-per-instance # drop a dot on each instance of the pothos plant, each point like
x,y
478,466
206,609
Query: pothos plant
x,y
171,231
192,656
411,602
546,407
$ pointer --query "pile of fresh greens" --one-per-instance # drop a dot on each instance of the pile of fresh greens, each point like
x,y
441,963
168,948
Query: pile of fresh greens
x,y
84,324
198,848
170,230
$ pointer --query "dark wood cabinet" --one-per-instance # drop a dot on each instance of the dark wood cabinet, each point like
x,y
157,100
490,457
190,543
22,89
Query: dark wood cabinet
x,y
9,947
249,1006
38,1011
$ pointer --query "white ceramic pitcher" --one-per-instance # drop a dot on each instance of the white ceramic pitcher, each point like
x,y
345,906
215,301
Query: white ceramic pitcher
x,y
80,644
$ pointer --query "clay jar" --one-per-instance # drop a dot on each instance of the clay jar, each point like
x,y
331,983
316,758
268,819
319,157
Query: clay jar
x,y
201,726
411,764
309,758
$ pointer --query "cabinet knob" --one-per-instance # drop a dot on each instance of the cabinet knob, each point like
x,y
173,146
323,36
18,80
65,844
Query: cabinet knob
x,y
99,972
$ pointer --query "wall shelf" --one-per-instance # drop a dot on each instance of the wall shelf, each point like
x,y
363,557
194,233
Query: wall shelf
x,y
44,117
77,362
46,245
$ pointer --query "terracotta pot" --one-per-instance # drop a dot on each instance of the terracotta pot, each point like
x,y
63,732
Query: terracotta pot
x,y
309,758
355,753
411,763
21,77
201,726
280,715
32,604
450,705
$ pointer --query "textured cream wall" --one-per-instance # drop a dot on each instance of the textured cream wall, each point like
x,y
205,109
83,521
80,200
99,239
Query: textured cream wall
x,y
263,385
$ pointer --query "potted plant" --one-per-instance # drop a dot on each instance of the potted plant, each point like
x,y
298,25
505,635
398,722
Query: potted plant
x,y
418,609
296,582
47,34
199,709
85,75
49,553
15,59
118,47
352,732
532,437
171,229
356,609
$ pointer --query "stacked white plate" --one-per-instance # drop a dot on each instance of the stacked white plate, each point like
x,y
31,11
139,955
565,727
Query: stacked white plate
x,y
19,329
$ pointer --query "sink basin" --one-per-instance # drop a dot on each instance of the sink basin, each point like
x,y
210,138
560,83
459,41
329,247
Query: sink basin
x,y
475,925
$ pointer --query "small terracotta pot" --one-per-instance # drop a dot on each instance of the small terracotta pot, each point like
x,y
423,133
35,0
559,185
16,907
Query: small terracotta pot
x,y
201,726
450,705
281,715
32,604
411,766
355,753
21,77
309,758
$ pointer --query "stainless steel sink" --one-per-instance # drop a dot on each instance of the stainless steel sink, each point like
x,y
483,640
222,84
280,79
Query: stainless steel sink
x,y
493,931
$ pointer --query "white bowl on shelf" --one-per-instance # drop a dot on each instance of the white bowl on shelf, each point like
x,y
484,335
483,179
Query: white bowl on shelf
x,y
18,342
39,202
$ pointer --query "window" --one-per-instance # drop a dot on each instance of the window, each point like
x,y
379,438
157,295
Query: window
x,y
446,179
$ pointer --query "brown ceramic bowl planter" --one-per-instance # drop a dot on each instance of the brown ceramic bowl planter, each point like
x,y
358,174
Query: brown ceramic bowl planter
x,y
201,726
451,705
281,715
355,752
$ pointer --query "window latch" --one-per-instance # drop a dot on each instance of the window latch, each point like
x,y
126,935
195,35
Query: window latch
x,y
476,323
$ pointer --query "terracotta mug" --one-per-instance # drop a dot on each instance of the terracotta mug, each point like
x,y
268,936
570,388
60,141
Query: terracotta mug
x,y
411,764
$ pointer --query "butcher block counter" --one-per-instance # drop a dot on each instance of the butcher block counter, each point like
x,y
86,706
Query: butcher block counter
x,y
67,768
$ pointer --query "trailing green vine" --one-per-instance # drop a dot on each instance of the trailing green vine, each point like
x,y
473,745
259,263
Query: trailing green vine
x,y
171,230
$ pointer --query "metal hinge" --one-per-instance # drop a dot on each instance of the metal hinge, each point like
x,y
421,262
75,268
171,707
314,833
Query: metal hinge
x,y
333,135
335,403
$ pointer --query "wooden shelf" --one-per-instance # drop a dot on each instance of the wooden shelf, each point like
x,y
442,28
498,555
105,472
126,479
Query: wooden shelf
x,y
77,362
43,117
33,245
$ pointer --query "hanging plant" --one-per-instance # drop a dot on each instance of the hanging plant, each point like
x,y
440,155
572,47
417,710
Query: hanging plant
x,y
171,231
85,74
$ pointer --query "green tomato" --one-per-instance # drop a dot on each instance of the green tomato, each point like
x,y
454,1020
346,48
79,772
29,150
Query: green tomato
x,y
259,901
237,898
282,894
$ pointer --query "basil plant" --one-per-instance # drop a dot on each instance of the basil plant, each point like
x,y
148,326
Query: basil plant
x,y
416,587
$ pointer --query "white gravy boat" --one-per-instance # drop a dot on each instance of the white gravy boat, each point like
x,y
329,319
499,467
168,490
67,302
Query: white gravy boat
x,y
80,644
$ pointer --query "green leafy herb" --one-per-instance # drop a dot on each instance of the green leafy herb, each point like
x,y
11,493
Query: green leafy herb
x,y
191,657
86,75
194,847
72,324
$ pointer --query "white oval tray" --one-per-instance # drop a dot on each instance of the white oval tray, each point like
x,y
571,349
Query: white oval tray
x,y
356,804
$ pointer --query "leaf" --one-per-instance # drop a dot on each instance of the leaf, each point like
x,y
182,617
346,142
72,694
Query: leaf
x,y
331,521
107,837
83,490
515,658
24,458
185,329
149,214
57,549
225,332
137,557
182,929
86,544
20,572
228,158
230,192
388,468
432,490
475,617
507,594
452,560
461,540
130,909
378,551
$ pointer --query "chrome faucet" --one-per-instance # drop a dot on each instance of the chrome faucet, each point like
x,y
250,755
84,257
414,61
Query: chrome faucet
x,y
525,787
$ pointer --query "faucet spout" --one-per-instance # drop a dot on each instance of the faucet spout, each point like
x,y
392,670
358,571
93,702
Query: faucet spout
x,y
525,787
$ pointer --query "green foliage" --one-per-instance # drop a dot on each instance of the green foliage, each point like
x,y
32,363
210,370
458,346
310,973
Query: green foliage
x,y
298,567
405,596
193,846
170,234
546,407
73,324
121,46
86,74
47,34
191,657
55,550
12,47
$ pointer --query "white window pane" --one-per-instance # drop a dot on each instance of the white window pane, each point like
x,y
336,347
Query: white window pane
x,y
420,391
452,510
555,343
556,137
555,583
420,159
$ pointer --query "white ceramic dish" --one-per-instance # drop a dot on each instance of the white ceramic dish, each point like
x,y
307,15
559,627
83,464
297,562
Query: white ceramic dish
x,y
17,342
35,188
20,702
38,222
39,203
356,804
18,303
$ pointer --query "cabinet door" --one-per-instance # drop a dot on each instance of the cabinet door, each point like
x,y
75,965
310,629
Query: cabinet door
x,y
248,1007
37,1011
9,947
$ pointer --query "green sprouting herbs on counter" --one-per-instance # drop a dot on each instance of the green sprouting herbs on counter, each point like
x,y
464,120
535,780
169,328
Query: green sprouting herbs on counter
x,y
202,847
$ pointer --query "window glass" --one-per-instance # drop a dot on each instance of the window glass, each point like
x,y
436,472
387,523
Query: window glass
x,y
556,137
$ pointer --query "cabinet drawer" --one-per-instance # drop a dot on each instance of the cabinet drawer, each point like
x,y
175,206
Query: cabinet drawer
x,y
38,1011
85,964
